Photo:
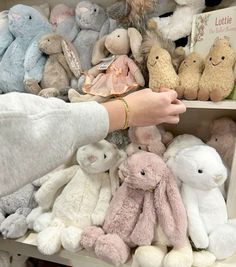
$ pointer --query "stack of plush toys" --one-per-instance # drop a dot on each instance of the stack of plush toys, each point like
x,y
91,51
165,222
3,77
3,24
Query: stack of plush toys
x,y
97,53
160,200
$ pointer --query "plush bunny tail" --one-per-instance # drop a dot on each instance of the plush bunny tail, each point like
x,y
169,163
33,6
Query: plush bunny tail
x,y
170,211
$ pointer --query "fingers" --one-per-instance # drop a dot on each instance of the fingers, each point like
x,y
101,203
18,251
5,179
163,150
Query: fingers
x,y
172,119
177,108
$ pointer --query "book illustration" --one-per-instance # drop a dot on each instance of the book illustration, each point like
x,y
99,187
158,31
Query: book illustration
x,y
200,24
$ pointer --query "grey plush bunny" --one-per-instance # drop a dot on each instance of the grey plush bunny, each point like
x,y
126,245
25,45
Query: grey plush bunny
x,y
16,206
22,59
92,24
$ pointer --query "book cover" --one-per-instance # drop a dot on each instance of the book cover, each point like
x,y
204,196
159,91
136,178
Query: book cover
x,y
210,25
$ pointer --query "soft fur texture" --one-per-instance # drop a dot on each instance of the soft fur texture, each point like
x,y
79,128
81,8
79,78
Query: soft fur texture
x,y
58,69
217,80
190,72
5,259
121,76
92,23
14,209
148,192
119,138
83,201
151,138
22,59
223,138
201,171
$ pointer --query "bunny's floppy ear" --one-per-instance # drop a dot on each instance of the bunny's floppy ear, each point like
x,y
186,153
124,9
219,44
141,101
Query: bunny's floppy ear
x,y
72,58
170,210
99,51
135,43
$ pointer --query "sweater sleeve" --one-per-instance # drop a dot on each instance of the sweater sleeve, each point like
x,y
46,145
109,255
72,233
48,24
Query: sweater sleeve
x,y
37,135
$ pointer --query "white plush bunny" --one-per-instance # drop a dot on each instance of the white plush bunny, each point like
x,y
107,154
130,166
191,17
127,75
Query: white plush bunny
x,y
202,172
87,191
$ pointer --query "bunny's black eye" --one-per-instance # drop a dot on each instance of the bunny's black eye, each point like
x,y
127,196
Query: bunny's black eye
x,y
200,171
216,139
142,172
105,156
210,58
95,10
194,61
223,58
30,17
157,57
139,148
118,36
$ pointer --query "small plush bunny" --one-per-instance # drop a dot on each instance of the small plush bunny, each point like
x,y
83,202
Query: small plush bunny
x,y
217,81
151,138
148,193
58,68
121,73
84,200
22,59
92,23
190,72
6,38
201,172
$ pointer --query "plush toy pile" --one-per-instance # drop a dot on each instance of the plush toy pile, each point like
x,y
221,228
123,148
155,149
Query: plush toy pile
x,y
98,52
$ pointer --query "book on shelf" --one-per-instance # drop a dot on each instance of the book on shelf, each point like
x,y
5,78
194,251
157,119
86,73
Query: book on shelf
x,y
210,25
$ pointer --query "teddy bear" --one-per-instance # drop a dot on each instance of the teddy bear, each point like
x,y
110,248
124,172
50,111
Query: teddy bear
x,y
190,72
62,63
121,73
201,172
92,23
217,80
86,190
22,60
150,138
148,193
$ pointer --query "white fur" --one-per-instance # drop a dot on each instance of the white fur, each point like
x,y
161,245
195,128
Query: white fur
x,y
202,172
83,201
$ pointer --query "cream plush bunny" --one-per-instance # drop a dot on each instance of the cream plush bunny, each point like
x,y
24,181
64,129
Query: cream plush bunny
x,y
121,73
83,201
201,172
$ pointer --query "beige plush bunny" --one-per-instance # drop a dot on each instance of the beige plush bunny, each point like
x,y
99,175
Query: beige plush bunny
x,y
190,72
217,80
61,64
121,73
161,70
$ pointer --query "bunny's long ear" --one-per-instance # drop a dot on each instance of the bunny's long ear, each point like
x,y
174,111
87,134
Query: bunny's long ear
x,y
99,51
170,210
135,43
114,178
72,58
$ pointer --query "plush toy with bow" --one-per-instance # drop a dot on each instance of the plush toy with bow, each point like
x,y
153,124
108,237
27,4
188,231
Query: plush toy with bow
x,y
148,193
121,73
84,200
22,59
151,138
201,172
61,64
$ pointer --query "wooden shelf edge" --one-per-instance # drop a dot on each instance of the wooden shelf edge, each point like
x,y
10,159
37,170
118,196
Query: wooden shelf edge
x,y
226,104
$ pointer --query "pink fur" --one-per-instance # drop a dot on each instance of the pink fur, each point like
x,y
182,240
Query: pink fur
x,y
60,10
131,218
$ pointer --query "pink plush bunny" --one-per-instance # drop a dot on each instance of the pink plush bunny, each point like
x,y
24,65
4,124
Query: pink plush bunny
x,y
148,193
151,138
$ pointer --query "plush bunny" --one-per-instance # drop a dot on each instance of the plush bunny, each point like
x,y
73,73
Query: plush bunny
x,y
190,72
14,209
223,138
119,138
217,81
44,9
58,68
22,59
151,138
148,193
6,38
122,74
62,18
83,201
202,172
92,23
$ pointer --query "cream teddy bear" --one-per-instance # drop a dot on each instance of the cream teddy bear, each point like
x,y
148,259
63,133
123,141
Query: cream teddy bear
x,y
83,201
190,72
217,80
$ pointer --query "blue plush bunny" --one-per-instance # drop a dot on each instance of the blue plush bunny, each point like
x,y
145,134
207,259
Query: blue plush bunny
x,y
23,60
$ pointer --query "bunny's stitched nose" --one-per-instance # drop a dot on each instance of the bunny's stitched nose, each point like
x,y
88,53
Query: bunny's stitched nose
x,y
218,178
92,159
14,15
83,9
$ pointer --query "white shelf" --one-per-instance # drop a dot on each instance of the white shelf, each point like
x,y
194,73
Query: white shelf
x,y
226,104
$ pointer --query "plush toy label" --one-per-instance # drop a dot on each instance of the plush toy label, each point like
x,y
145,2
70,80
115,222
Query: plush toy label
x,y
106,62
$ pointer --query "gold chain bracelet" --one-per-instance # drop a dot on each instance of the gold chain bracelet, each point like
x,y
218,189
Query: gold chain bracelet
x,y
126,107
